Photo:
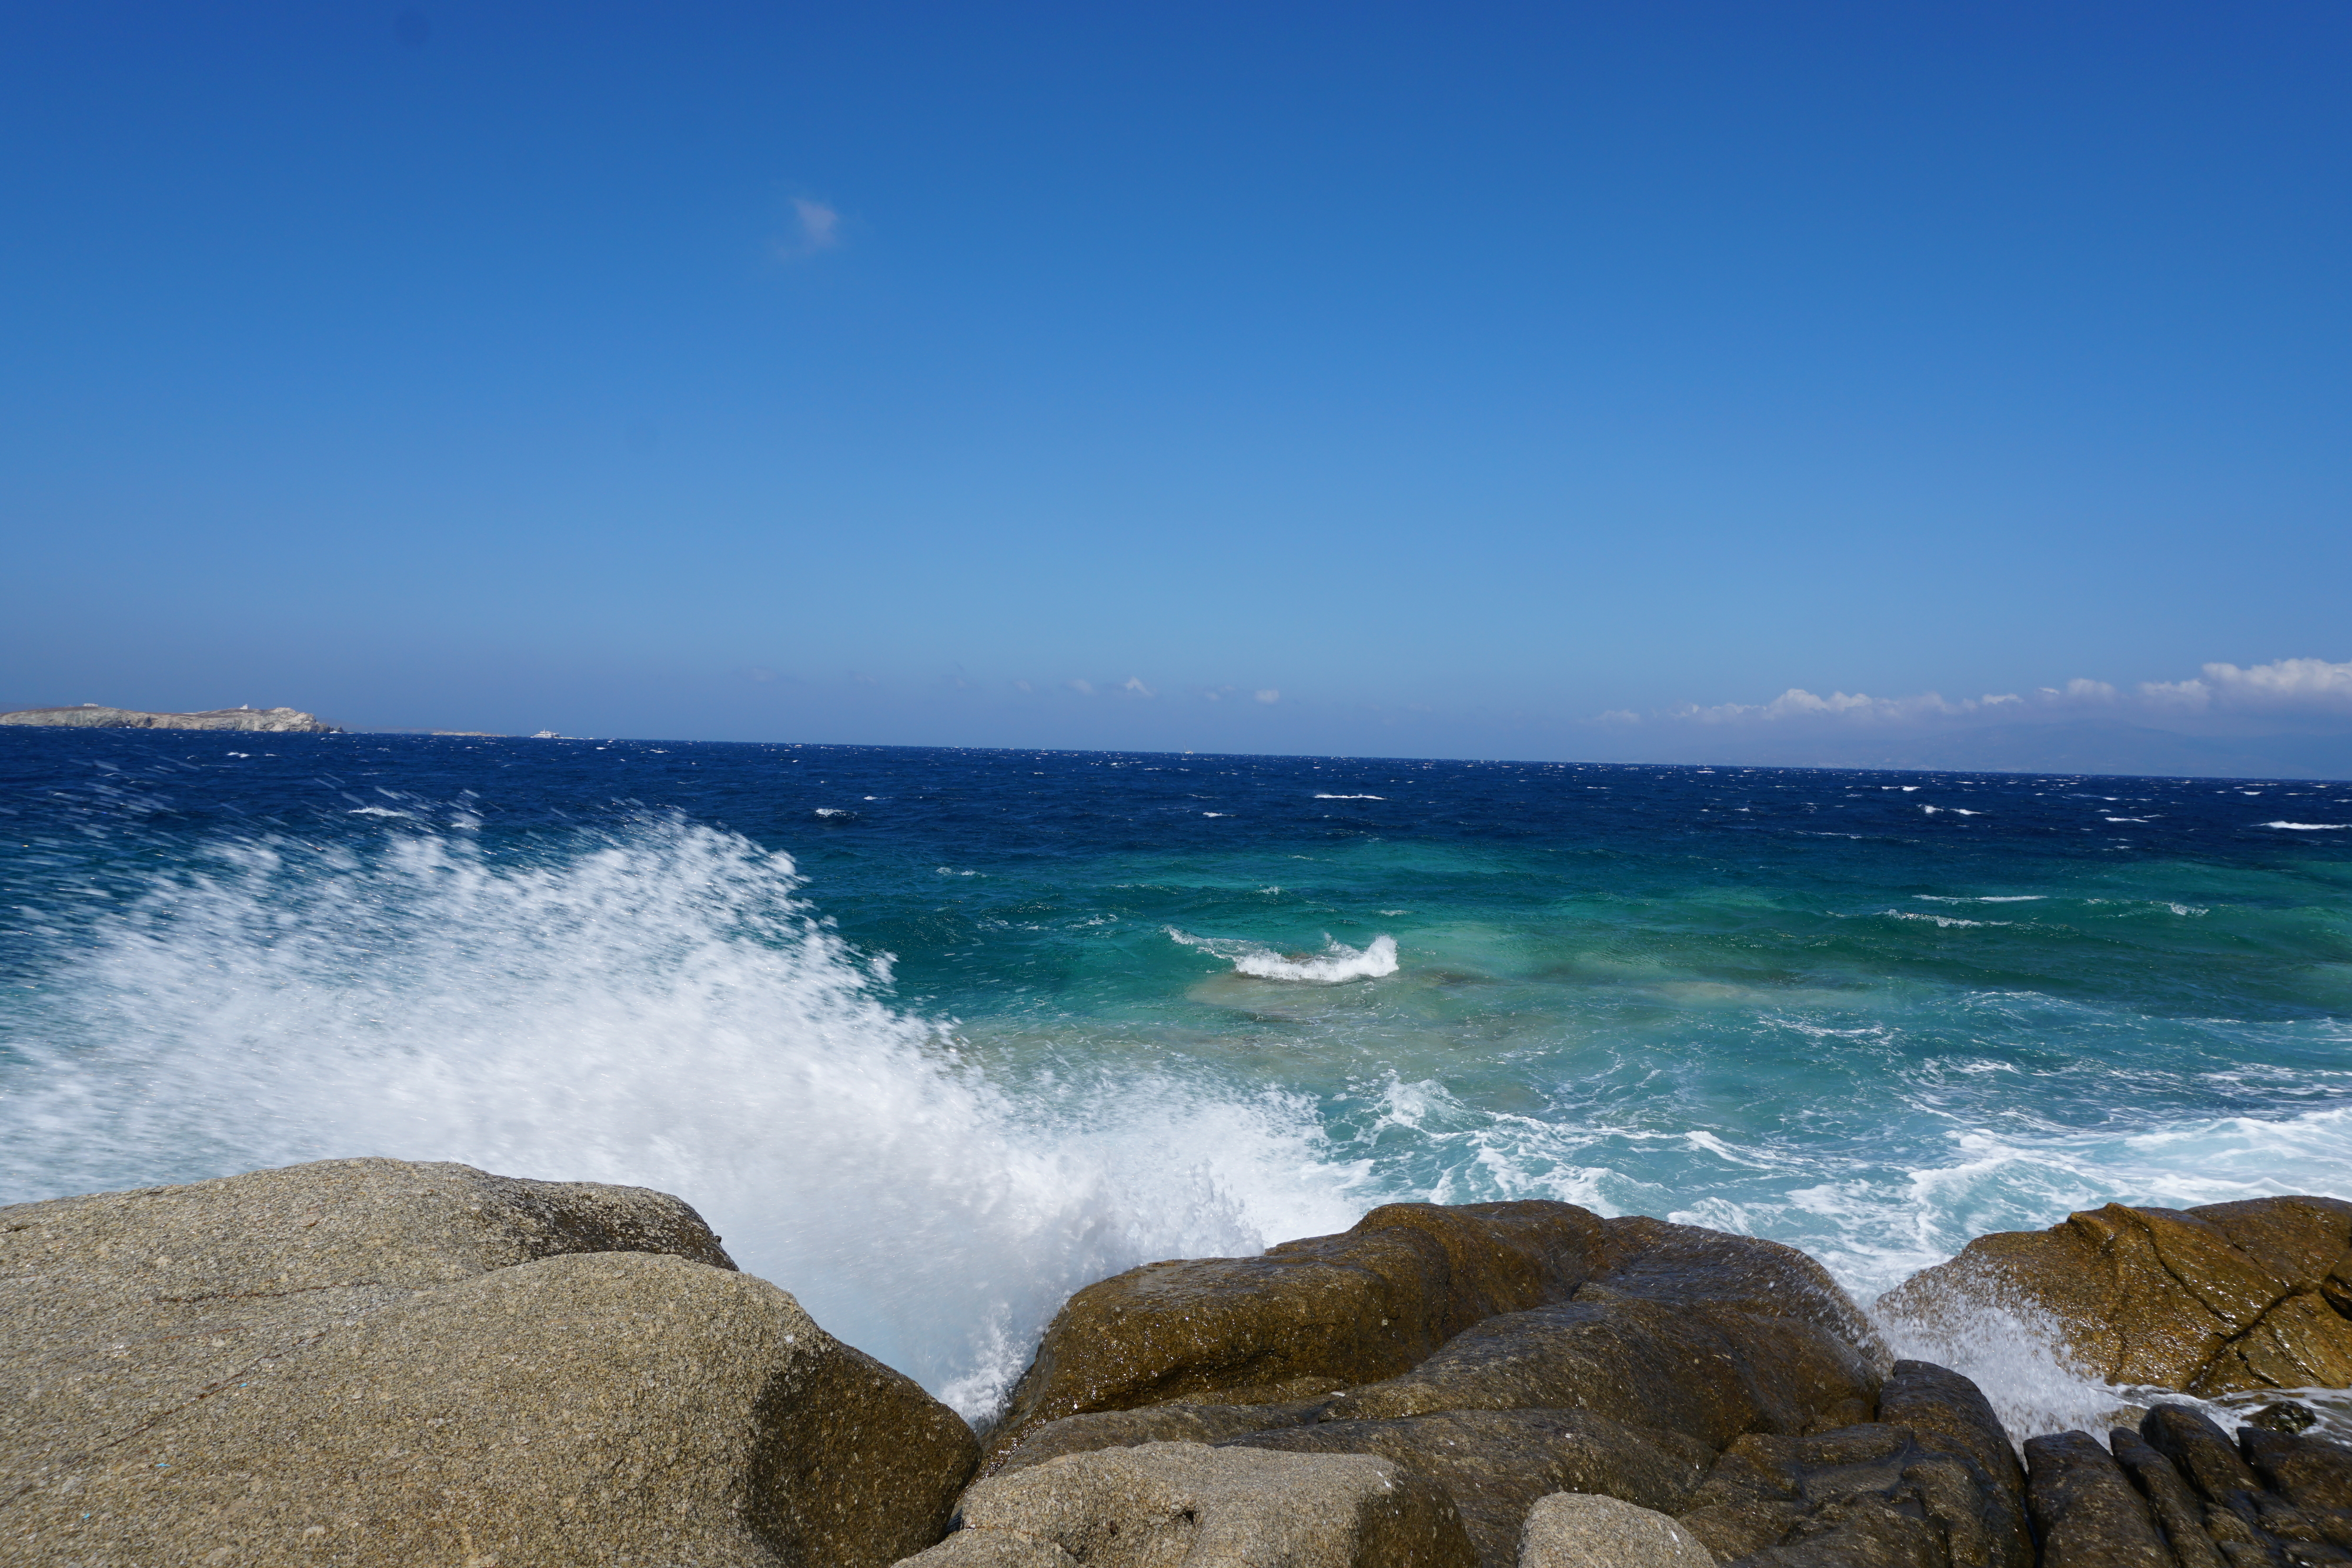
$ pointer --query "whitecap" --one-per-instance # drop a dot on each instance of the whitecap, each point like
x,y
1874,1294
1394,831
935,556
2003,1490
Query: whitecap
x,y
1351,797
378,811
1337,961
1988,898
2309,827
1945,920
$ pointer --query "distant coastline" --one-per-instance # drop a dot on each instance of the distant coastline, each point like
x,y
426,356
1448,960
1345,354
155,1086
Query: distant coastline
x,y
94,716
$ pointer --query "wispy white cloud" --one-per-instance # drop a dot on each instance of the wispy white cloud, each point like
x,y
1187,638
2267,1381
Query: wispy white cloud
x,y
1269,694
816,226
1084,688
1134,686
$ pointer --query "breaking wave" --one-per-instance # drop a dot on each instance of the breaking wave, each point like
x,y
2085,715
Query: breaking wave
x,y
652,1006
1336,963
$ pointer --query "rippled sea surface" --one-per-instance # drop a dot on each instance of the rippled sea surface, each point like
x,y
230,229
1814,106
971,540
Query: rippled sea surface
x,y
935,1037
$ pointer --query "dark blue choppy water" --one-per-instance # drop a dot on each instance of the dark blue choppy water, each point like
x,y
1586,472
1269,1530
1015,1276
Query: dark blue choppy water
x,y
936,1036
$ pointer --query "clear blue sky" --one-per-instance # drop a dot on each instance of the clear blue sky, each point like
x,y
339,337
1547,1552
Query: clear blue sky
x,y
1459,375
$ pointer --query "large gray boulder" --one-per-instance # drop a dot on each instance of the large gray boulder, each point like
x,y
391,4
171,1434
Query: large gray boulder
x,y
371,1362
1185,1505
1577,1529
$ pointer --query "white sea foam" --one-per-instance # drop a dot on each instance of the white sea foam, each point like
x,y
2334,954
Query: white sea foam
x,y
652,1007
1336,962
1351,797
378,811
1990,898
1944,920
2309,827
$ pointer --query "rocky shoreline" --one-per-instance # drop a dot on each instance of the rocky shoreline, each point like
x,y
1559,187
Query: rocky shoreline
x,y
93,715
373,1362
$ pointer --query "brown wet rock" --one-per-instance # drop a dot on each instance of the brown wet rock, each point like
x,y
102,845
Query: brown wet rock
x,y
371,1362
1182,1505
2312,1474
1708,1373
1657,1261
1306,1317
1868,1496
2171,1502
2200,1451
2269,1498
2085,1511
1945,1409
1495,1464
2210,1300
1692,1331
2313,1471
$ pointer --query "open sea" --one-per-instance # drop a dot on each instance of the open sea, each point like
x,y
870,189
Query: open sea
x,y
934,1036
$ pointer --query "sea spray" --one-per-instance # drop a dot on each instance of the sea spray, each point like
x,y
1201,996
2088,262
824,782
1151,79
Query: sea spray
x,y
654,1006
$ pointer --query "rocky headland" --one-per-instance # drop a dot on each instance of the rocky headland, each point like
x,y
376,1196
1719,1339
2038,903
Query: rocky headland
x,y
91,715
369,1362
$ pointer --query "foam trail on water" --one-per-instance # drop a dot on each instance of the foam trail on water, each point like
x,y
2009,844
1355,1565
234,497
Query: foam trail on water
x,y
654,1006
1336,963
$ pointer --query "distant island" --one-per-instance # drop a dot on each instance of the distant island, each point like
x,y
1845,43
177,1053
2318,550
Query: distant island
x,y
91,715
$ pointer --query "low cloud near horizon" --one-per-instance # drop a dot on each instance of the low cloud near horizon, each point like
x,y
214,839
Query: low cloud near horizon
x,y
2290,715
2284,689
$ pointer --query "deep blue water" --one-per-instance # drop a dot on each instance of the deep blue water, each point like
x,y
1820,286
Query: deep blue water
x,y
935,1036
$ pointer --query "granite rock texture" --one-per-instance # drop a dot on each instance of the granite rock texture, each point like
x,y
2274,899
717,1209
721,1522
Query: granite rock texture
x,y
2209,1300
1186,1505
1495,1464
371,1362
1578,1530
91,715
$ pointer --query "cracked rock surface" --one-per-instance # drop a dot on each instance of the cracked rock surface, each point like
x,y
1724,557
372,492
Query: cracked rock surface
x,y
2209,1300
373,1362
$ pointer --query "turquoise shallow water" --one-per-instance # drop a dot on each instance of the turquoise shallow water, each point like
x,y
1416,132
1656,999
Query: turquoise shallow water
x,y
935,1037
